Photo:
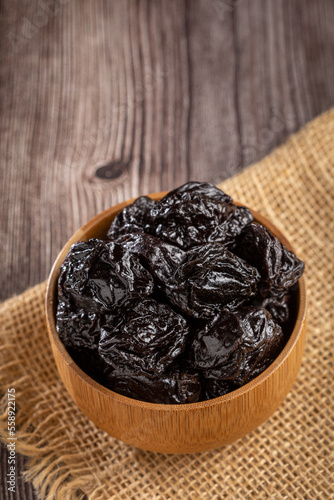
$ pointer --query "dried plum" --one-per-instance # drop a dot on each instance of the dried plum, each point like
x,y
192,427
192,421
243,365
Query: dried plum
x,y
86,275
80,331
77,328
147,341
210,278
133,218
237,346
280,269
215,388
199,189
99,284
188,218
161,259
174,386
278,307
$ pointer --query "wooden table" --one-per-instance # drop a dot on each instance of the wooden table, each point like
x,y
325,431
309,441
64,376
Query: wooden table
x,y
103,101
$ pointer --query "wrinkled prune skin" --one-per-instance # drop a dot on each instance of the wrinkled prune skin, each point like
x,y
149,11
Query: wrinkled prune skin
x,y
199,189
77,328
187,300
237,346
210,278
187,218
132,218
97,283
161,259
278,307
212,388
174,386
135,278
80,331
280,269
86,275
150,338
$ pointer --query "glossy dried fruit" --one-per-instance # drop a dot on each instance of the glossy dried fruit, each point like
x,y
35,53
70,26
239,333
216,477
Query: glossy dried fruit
x,y
212,388
133,218
189,217
86,275
186,191
161,259
237,346
175,386
148,340
97,283
280,269
278,306
209,279
80,332
77,328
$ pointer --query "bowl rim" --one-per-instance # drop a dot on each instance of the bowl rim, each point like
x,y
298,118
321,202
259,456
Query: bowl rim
x,y
50,301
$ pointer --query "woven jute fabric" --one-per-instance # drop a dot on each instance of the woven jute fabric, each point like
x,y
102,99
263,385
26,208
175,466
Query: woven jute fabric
x,y
289,456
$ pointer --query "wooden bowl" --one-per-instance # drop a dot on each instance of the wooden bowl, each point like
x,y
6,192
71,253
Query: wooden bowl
x,y
176,428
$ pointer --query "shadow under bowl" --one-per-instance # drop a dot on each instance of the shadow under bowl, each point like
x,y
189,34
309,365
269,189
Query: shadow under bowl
x,y
186,428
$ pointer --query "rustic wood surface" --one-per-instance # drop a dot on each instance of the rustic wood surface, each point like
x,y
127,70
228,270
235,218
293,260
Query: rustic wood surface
x,y
102,101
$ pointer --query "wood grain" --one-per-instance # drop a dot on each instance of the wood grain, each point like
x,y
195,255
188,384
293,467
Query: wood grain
x,y
156,93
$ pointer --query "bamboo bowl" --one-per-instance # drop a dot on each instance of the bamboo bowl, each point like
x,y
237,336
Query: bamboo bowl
x,y
176,428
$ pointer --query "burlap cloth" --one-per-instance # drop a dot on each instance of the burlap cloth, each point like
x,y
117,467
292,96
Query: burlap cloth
x,y
289,456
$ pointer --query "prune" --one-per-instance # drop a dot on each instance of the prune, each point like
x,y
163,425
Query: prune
x,y
182,302
80,331
148,341
160,258
77,328
188,218
132,218
215,388
199,189
209,279
99,284
135,278
237,346
86,275
174,386
278,307
280,269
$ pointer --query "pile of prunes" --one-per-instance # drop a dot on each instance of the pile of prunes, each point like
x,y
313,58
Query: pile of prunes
x,y
186,299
